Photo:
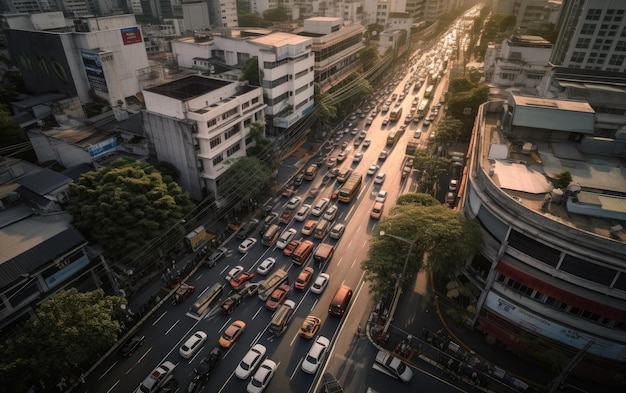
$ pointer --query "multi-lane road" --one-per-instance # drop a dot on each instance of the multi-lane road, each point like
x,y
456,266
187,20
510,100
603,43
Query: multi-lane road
x,y
350,358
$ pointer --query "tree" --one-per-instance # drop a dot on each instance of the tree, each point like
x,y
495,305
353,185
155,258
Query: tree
x,y
263,148
369,56
126,205
11,134
70,328
168,169
245,179
252,20
250,72
278,14
562,180
325,111
448,237
448,129
431,168
470,101
459,84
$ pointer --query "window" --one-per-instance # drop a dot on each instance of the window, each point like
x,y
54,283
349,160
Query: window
x,y
583,43
245,105
593,14
229,113
211,123
232,131
617,60
215,141
577,57
603,30
232,150
534,77
588,29
218,159
301,74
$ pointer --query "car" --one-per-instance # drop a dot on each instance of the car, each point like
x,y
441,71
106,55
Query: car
x,y
247,228
333,173
270,219
369,121
207,365
318,209
288,193
290,247
293,203
250,361
308,227
381,196
453,185
363,134
330,213
366,143
265,266
383,154
277,297
418,134
357,142
385,121
449,199
131,345
314,358
193,343
341,156
298,179
392,366
215,256
320,283
183,292
357,157
354,131
247,244
384,109
337,231
380,178
304,278
285,238
233,272
372,169
303,212
231,334
310,327
238,280
262,377
377,210
230,304
157,378
331,162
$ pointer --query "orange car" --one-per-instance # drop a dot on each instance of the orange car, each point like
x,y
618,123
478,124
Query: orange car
x,y
232,332
240,279
304,278
277,297
290,247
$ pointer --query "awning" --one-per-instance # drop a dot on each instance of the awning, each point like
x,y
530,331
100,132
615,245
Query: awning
x,y
560,294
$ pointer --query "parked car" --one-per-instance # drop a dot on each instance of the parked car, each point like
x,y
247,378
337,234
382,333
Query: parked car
x,y
310,327
250,361
131,345
320,283
215,256
262,377
247,244
231,334
265,266
193,343
314,358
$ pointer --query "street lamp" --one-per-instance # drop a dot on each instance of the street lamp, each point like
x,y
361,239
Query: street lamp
x,y
396,295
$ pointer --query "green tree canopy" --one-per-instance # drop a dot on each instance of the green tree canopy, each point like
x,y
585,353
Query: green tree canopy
x,y
69,328
246,178
449,129
278,14
263,148
250,72
252,20
325,111
469,101
11,134
126,205
460,84
446,236
369,57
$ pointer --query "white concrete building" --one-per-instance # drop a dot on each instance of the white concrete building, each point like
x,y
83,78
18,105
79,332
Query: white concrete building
x,y
521,61
198,123
223,14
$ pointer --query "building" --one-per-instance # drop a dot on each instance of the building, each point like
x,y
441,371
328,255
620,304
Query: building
x,y
551,270
198,123
223,14
520,61
337,49
96,59
592,35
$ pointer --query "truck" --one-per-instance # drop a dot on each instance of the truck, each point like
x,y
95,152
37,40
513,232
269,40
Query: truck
x,y
323,253
277,278
411,147
197,238
407,166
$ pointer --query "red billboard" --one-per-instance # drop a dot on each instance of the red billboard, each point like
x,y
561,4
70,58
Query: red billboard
x,y
131,35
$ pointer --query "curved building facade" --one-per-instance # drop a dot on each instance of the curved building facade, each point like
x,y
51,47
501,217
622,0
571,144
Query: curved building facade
x,y
552,271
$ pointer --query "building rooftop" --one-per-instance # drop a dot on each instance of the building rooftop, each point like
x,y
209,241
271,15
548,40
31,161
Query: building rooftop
x,y
522,173
83,137
189,87
279,39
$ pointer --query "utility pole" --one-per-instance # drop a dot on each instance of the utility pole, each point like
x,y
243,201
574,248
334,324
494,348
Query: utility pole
x,y
558,381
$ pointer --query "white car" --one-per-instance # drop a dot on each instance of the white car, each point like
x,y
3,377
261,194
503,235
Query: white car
x,y
314,358
341,156
337,231
354,131
357,157
262,377
392,366
293,203
192,344
247,244
233,272
372,169
366,143
330,213
385,121
381,196
303,212
250,361
380,178
320,283
318,209
453,185
285,238
265,266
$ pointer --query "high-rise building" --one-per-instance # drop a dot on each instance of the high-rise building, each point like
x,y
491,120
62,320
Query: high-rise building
x,y
592,35
223,14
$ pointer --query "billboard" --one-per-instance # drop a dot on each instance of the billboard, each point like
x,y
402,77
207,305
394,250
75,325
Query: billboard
x,y
93,69
100,148
131,35
41,58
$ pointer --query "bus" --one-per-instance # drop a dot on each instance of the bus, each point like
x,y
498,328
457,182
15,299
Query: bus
x,y
429,91
302,253
395,113
350,188
423,108
392,137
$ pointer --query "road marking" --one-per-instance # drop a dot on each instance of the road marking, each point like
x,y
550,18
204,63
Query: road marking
x,y
365,243
159,318
295,369
353,262
294,339
114,385
107,370
340,259
172,327
315,303
225,268
224,325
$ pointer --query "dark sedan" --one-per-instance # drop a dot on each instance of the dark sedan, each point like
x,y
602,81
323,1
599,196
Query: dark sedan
x,y
131,345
